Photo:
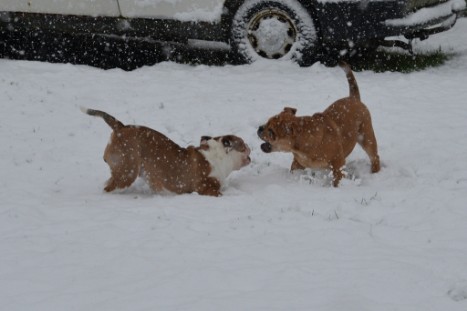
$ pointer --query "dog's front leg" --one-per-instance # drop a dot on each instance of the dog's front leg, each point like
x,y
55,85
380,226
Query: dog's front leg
x,y
336,167
209,186
296,166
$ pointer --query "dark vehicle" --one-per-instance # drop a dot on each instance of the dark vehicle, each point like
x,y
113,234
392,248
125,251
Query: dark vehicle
x,y
301,30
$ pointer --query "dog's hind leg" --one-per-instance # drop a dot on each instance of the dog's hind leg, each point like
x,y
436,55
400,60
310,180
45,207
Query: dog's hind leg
x,y
368,142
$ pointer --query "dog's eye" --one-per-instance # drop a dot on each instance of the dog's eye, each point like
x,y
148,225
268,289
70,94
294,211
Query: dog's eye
x,y
271,134
226,143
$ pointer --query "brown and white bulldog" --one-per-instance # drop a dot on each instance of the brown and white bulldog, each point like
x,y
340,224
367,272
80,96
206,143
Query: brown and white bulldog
x,y
324,140
140,151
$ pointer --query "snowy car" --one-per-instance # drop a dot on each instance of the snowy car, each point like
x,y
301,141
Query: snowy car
x,y
300,30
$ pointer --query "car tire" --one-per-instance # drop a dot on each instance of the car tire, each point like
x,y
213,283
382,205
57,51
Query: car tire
x,y
273,29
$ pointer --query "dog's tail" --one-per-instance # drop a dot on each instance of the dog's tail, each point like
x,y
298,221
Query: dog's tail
x,y
111,121
353,86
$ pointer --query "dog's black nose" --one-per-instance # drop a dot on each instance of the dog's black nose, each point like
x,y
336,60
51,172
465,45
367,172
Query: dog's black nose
x,y
260,130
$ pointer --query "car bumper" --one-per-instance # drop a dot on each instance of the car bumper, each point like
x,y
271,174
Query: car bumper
x,y
426,21
352,24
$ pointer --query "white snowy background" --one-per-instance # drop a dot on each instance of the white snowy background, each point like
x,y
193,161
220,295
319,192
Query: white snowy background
x,y
396,240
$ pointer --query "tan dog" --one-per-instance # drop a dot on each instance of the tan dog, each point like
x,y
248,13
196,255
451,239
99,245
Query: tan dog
x,y
140,151
325,139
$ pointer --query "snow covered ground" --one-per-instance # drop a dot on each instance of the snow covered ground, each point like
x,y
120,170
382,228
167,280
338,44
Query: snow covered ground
x,y
396,240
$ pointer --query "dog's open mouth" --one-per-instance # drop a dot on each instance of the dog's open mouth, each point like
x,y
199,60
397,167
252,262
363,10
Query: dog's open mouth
x,y
266,147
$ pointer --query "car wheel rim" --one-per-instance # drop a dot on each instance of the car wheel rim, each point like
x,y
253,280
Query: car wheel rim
x,y
272,33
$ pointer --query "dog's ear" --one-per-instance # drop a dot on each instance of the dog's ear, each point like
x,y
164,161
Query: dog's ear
x,y
292,111
204,140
